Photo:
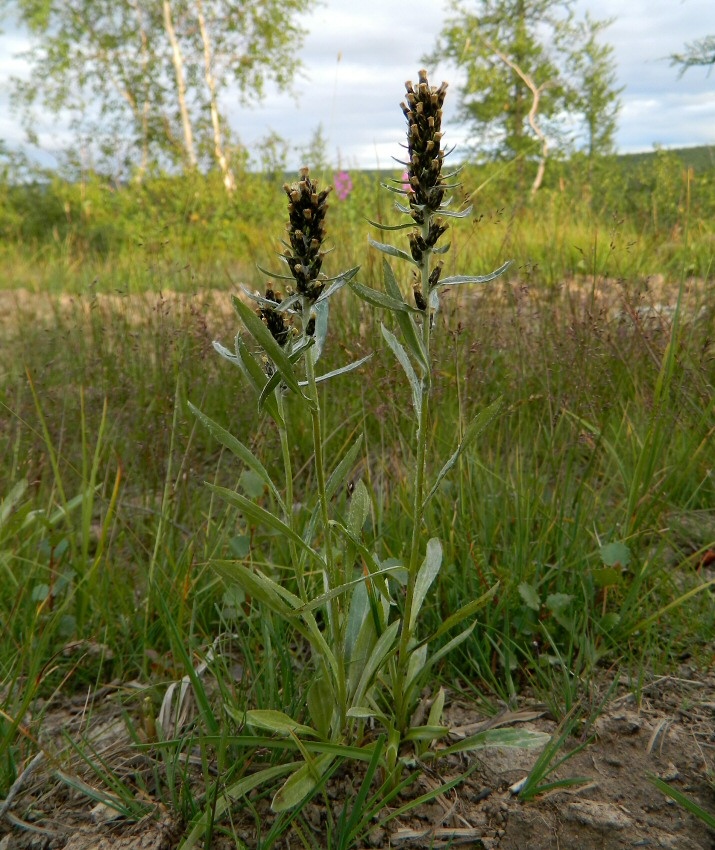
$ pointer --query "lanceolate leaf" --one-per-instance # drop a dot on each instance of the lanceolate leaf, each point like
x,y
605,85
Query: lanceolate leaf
x,y
338,283
428,571
392,226
264,338
277,721
379,299
458,280
380,651
350,367
256,376
473,430
237,448
404,361
519,738
297,787
462,614
392,251
410,336
228,797
261,516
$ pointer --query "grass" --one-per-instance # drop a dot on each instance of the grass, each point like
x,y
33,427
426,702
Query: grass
x,y
587,500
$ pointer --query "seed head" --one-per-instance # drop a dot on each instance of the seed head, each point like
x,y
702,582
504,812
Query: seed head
x,y
306,230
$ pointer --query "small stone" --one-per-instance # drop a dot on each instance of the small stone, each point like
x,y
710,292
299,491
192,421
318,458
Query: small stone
x,y
601,816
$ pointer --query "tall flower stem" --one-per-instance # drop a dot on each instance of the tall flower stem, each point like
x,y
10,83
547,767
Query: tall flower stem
x,y
289,501
334,579
417,511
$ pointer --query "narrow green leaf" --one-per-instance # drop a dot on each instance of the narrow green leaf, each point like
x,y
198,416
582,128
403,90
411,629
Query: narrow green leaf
x,y
257,377
378,656
265,339
298,786
391,226
686,802
478,424
405,320
261,516
228,797
458,280
358,509
462,614
522,739
404,361
237,448
428,571
392,251
277,721
379,299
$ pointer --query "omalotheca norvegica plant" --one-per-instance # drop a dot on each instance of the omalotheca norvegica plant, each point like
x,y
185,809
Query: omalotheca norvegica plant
x,y
370,662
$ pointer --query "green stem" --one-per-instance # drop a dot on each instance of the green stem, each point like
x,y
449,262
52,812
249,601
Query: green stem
x,y
333,578
296,560
401,695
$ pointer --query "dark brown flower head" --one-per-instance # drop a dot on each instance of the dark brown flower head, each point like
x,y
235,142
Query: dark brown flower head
x,y
306,231
423,110
273,320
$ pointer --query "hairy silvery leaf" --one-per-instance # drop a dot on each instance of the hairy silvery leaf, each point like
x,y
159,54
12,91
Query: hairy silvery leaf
x,y
404,361
393,252
261,516
358,509
410,336
379,299
519,738
458,280
321,704
428,571
382,649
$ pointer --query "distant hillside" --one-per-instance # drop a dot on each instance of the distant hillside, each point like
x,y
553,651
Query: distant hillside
x,y
699,157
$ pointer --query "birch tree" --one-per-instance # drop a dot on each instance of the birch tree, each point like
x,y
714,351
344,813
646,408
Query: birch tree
x,y
153,78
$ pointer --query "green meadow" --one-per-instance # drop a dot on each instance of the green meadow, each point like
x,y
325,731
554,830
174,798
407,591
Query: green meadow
x,y
584,507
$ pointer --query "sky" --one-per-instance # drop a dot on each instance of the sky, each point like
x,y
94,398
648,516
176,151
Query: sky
x,y
358,55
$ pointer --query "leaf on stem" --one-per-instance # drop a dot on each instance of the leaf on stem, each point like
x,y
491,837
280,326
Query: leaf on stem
x,y
265,339
297,787
405,320
276,721
393,252
379,299
428,571
241,451
404,361
458,280
473,430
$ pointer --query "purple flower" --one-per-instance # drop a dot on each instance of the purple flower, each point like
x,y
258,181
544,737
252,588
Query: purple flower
x,y
343,185
406,182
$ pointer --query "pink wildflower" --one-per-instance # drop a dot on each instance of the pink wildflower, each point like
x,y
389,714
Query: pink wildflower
x,y
343,185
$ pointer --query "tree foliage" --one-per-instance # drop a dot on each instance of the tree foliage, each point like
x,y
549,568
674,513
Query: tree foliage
x,y
114,67
697,53
520,57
